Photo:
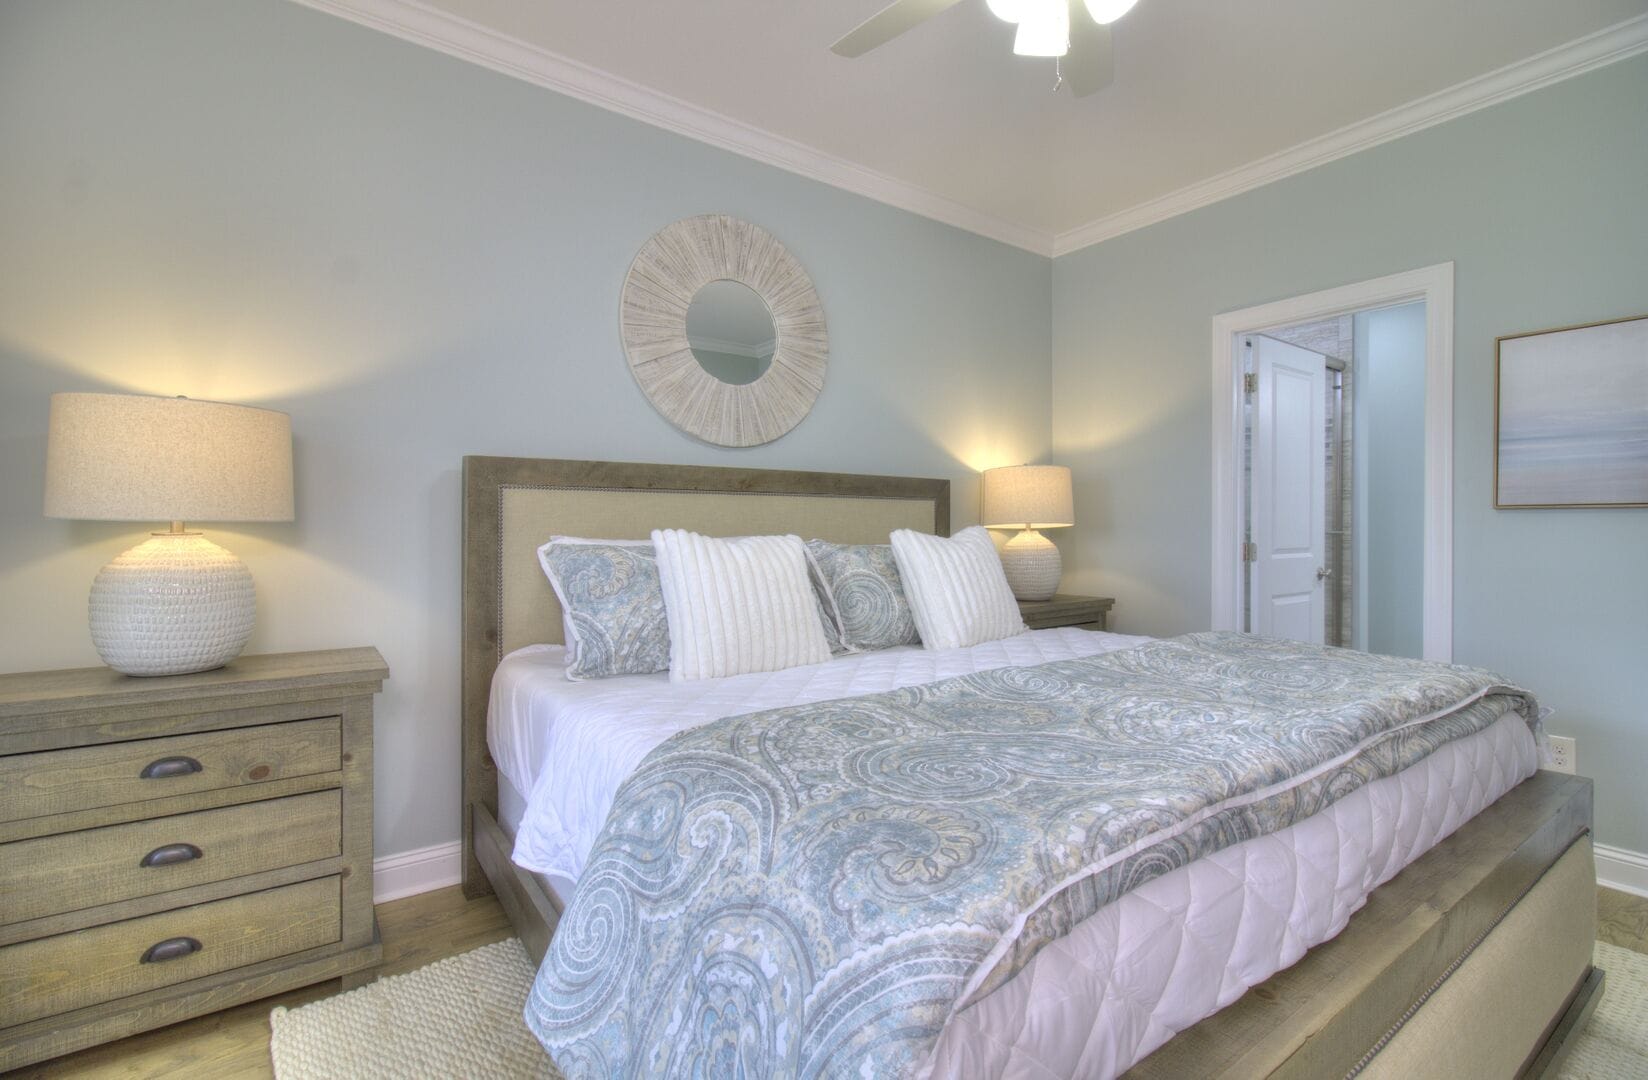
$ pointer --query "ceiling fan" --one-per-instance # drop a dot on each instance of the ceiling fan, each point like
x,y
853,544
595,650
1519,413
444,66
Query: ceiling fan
x,y
1079,41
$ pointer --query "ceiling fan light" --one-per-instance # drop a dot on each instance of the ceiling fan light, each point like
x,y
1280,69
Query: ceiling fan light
x,y
1105,12
1044,29
1007,10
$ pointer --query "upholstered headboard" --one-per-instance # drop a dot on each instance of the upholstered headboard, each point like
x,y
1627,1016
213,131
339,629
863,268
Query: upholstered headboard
x,y
513,505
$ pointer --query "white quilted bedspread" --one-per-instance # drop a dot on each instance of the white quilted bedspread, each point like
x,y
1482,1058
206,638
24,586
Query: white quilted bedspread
x,y
1185,945
1125,980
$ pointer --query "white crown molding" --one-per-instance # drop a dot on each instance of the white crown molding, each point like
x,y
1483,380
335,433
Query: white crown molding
x,y
421,24
1622,869
413,872
438,30
1606,46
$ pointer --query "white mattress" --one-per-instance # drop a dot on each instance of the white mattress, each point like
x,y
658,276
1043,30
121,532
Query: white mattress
x,y
567,745
1126,979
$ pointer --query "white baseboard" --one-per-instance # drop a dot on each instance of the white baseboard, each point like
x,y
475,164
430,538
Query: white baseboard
x,y
413,872
441,865
1622,869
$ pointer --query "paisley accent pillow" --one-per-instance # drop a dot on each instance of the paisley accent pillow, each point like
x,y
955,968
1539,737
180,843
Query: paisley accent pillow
x,y
829,616
868,594
612,606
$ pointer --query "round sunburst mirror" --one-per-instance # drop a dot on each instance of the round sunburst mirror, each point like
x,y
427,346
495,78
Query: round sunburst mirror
x,y
723,331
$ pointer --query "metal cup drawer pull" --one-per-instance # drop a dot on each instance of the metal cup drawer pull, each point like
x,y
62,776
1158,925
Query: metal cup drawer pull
x,y
169,854
170,949
161,768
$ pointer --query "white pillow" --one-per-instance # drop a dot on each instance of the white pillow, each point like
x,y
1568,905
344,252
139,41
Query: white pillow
x,y
737,606
956,587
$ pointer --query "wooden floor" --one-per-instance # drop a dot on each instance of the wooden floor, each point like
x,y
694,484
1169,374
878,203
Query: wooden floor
x,y
421,929
1622,919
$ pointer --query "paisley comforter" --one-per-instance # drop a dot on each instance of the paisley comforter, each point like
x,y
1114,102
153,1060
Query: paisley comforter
x,y
814,891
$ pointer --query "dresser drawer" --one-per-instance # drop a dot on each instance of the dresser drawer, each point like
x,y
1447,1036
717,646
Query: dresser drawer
x,y
71,871
71,971
84,778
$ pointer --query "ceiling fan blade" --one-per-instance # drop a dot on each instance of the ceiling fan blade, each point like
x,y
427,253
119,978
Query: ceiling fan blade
x,y
1090,65
887,24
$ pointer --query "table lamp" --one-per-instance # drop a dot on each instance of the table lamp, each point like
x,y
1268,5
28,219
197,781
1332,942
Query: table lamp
x,y
177,602
1028,498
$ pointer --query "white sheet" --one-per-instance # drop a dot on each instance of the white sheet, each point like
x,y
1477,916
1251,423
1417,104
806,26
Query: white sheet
x,y
568,745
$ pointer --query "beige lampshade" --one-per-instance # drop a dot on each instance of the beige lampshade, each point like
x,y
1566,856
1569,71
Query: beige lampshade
x,y
126,457
1028,496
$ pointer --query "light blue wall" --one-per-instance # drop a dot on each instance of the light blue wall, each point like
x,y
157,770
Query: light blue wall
x,y
1388,451
1539,203
418,259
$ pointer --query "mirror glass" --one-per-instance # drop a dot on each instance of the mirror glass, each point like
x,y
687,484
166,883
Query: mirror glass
x,y
731,331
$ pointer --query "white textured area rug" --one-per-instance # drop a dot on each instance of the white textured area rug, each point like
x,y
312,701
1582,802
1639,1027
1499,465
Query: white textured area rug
x,y
1615,1042
458,1017
461,1017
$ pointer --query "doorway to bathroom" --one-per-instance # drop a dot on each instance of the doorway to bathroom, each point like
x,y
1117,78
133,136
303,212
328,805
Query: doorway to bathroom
x,y
1332,474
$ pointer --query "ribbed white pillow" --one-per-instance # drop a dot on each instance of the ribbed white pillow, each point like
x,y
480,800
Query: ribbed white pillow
x,y
737,606
956,587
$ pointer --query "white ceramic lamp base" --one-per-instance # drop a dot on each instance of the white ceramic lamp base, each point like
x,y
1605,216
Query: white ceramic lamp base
x,y
1033,566
174,604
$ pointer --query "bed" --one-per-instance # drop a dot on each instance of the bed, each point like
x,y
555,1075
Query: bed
x,y
1488,931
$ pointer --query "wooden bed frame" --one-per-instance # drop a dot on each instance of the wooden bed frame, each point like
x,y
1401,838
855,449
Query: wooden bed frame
x,y
1485,938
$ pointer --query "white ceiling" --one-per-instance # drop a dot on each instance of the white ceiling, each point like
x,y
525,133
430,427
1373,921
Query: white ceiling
x,y
947,115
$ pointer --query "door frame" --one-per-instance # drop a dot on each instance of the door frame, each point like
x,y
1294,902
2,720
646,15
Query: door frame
x,y
1433,285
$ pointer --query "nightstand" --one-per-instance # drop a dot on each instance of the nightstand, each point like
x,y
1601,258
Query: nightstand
x,y
173,846
1086,612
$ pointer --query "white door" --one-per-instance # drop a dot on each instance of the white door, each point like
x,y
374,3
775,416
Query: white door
x,y
1289,477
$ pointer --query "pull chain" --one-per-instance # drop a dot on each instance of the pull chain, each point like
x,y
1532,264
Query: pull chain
x,y
1058,73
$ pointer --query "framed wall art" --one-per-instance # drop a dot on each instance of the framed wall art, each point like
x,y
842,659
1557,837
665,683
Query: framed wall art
x,y
1571,427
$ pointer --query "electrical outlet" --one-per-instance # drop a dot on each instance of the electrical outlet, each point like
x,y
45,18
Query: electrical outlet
x,y
1559,754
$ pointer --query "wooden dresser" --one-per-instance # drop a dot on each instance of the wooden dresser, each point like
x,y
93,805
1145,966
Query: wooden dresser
x,y
173,846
